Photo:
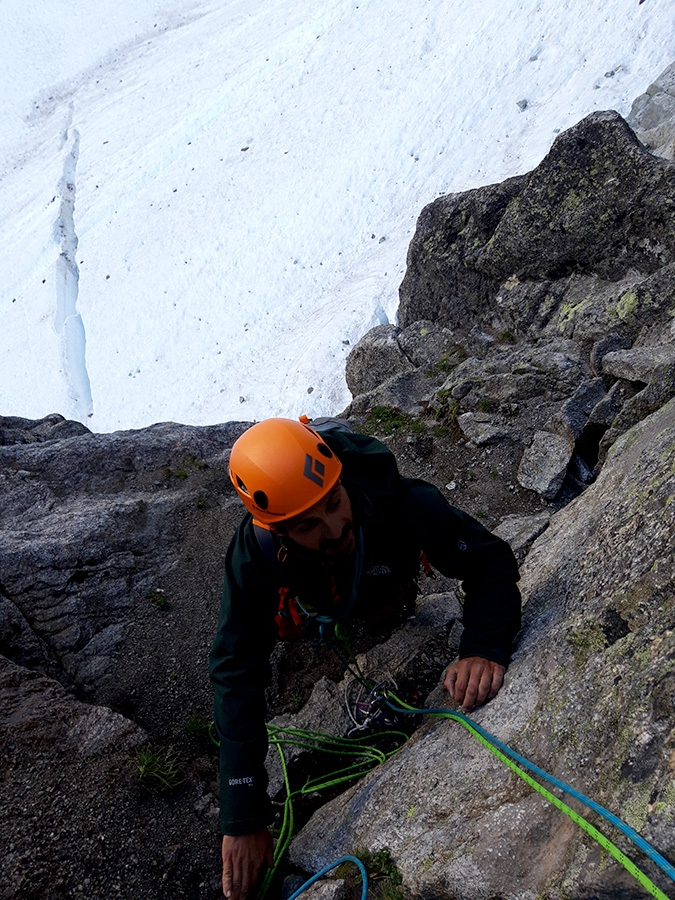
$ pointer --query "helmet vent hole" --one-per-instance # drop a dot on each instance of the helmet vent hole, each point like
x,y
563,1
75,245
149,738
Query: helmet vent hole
x,y
261,500
241,485
324,451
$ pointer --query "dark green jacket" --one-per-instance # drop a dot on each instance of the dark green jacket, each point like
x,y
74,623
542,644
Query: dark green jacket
x,y
399,517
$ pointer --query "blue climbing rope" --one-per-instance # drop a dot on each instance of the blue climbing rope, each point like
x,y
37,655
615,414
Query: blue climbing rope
x,y
334,865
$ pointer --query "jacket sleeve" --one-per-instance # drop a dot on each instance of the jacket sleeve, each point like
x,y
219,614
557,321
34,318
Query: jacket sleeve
x,y
240,672
460,547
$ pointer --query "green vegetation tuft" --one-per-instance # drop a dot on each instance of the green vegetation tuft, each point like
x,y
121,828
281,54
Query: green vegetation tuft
x,y
296,699
158,768
197,725
447,412
387,420
447,363
158,598
380,864
486,405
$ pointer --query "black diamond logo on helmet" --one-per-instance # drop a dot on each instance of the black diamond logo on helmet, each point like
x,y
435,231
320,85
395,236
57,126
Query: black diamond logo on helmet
x,y
314,470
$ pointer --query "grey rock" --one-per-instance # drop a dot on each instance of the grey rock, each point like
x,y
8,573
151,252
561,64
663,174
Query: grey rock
x,y
575,248
638,364
596,635
15,430
580,470
604,413
605,345
18,641
658,392
574,414
408,392
519,373
333,889
584,308
290,885
92,522
598,198
426,344
442,281
652,115
481,433
479,342
35,710
374,359
521,531
544,464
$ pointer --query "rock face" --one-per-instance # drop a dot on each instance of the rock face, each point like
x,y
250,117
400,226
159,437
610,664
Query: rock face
x,y
575,214
111,551
91,524
589,696
556,287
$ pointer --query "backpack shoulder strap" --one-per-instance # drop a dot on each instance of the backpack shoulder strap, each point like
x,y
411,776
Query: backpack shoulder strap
x,y
268,546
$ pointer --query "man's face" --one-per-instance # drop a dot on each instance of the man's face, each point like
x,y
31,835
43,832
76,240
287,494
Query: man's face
x,y
327,527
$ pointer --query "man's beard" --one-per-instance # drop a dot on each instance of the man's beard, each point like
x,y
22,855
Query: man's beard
x,y
340,549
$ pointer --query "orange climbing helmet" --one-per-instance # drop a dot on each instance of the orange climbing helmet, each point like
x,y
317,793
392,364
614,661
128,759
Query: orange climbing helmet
x,y
280,467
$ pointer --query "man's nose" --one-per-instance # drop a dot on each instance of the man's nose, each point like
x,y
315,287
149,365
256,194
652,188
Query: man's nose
x,y
333,528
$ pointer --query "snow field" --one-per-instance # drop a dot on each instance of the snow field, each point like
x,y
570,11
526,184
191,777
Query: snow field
x,y
249,177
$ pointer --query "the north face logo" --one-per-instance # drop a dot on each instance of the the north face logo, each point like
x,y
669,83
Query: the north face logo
x,y
314,470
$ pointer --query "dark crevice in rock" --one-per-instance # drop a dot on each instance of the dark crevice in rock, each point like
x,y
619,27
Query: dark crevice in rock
x,y
588,445
614,626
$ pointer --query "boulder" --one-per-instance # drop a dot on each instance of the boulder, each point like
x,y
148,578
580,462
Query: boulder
x,y
520,532
588,697
599,203
605,345
442,281
409,392
427,344
652,115
574,414
658,392
522,372
544,464
374,359
36,712
480,431
581,246
638,364
607,409
15,430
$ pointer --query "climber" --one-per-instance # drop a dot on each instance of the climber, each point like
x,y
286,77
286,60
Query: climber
x,y
333,532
